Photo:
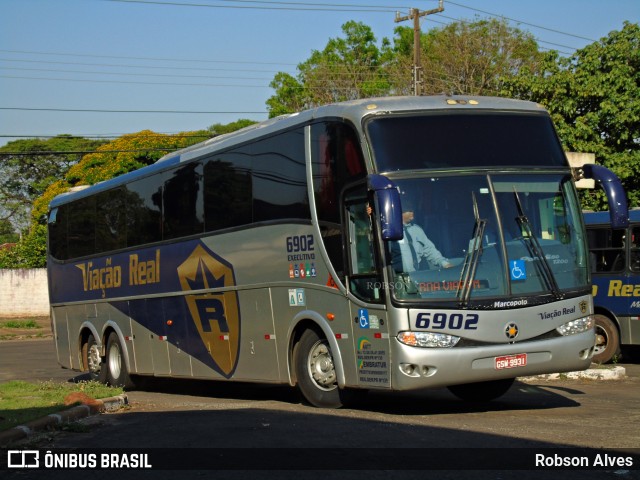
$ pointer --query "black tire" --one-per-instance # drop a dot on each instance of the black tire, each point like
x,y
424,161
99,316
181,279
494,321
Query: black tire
x,y
315,371
115,364
482,391
607,340
93,361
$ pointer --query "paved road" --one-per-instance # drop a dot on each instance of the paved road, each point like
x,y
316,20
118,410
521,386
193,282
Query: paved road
x,y
193,414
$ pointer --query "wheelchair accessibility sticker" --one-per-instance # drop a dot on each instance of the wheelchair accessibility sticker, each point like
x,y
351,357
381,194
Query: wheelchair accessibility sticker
x,y
363,317
518,270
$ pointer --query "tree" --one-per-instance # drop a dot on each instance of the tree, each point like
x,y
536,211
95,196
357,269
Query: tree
x,y
462,57
469,58
120,156
28,167
594,99
7,232
221,129
117,157
346,69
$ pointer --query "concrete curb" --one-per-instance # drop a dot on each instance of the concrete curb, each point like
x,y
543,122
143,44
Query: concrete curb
x,y
66,416
605,373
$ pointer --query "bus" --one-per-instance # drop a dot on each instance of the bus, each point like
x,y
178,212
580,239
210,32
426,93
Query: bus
x,y
269,255
615,267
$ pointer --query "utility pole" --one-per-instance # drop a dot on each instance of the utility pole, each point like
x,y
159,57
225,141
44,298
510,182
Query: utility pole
x,y
415,15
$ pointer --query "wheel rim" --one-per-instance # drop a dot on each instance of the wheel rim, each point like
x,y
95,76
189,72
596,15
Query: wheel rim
x,y
94,362
320,366
601,340
115,360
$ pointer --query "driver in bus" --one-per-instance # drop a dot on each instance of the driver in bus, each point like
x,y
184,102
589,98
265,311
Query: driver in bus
x,y
415,251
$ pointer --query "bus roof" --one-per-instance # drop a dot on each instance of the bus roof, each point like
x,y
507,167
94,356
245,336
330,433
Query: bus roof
x,y
603,218
354,111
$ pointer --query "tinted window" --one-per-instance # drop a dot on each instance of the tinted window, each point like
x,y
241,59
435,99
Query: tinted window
x,y
227,190
111,221
81,227
635,249
182,201
337,160
58,232
279,178
464,140
144,211
606,247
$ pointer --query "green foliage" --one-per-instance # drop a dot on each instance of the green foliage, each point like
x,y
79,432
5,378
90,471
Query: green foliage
x,y
475,58
29,166
221,129
30,252
463,57
7,232
117,157
347,68
594,99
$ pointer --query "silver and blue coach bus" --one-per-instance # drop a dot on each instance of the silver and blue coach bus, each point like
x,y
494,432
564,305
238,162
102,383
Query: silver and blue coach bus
x,y
272,254
615,267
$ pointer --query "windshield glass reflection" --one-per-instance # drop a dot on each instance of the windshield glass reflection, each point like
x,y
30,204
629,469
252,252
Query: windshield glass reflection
x,y
475,236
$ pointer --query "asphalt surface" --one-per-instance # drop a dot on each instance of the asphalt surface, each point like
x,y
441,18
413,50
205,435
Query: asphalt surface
x,y
186,416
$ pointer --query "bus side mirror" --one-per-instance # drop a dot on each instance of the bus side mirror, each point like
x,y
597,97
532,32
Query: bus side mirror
x,y
388,203
618,209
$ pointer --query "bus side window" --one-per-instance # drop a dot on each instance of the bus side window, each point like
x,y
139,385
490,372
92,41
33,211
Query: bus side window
x,y
607,250
635,249
364,281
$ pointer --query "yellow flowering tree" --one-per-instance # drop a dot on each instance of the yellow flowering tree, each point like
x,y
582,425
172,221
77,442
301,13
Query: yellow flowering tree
x,y
125,154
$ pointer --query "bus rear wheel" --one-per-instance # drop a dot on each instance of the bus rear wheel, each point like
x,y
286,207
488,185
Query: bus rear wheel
x,y
117,374
482,391
607,340
315,371
93,361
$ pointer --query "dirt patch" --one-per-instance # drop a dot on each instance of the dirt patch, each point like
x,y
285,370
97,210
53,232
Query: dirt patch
x,y
25,328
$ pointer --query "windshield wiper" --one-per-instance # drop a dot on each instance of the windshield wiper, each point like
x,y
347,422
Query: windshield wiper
x,y
535,249
471,259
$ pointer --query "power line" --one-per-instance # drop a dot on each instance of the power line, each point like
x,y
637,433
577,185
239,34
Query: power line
x,y
88,110
523,22
145,67
126,74
315,7
87,152
150,59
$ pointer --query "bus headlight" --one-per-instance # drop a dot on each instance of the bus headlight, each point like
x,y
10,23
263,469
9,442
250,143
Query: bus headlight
x,y
428,339
577,326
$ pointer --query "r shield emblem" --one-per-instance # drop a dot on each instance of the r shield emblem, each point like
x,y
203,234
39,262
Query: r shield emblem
x,y
215,315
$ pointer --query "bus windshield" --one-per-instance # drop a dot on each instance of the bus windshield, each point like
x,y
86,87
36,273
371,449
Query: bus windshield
x,y
480,237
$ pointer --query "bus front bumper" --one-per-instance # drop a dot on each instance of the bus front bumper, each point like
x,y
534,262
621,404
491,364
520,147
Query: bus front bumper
x,y
418,368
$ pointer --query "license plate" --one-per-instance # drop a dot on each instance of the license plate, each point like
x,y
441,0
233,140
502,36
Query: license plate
x,y
511,361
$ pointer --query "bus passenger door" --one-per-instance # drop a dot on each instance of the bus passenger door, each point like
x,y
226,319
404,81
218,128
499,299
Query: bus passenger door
x,y
369,326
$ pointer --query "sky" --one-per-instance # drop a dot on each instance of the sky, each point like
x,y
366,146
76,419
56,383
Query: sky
x,y
104,68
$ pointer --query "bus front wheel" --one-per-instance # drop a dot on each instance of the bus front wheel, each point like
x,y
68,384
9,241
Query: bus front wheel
x,y
607,340
315,371
117,374
482,391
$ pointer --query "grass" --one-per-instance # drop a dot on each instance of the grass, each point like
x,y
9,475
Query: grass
x,y
24,327
21,402
19,324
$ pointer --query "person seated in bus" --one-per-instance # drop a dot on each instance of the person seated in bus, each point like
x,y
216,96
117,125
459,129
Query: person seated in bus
x,y
415,251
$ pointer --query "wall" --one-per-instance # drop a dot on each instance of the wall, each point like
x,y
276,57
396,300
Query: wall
x,y
23,292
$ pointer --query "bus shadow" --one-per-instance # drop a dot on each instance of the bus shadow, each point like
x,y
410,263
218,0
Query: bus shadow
x,y
522,396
